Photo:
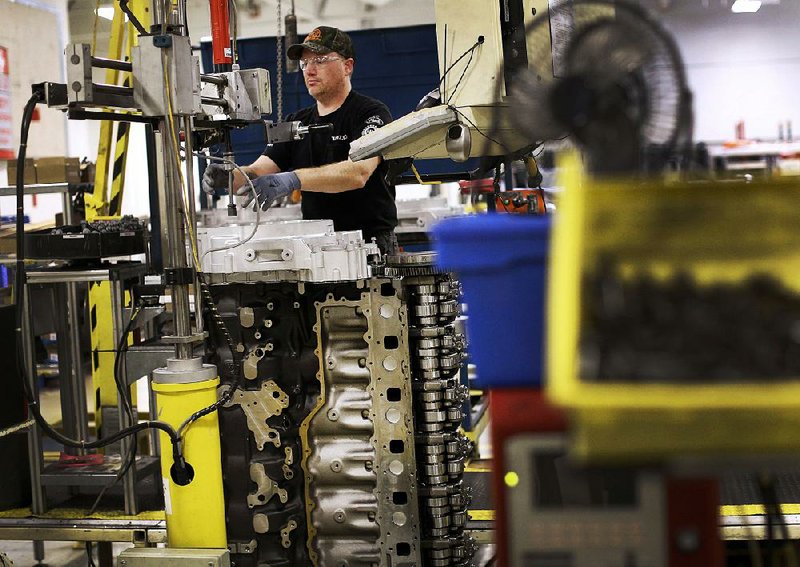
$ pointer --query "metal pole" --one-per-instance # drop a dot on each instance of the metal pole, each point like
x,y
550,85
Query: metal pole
x,y
175,236
78,398
38,501
191,199
118,325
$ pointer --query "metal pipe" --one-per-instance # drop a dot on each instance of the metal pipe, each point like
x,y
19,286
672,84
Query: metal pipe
x,y
118,326
79,391
38,496
220,33
175,235
214,80
214,101
190,198
105,63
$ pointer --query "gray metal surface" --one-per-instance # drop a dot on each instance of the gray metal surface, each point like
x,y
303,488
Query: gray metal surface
x,y
113,272
172,557
78,529
35,189
141,360
362,473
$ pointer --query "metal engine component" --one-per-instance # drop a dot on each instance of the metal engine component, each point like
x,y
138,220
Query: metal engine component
x,y
343,467
242,95
437,351
340,443
259,406
360,469
305,251
419,215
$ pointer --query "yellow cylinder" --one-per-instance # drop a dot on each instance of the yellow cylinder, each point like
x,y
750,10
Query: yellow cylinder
x,y
195,513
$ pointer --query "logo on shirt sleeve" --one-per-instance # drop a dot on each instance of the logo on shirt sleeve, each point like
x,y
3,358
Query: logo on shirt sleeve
x,y
372,124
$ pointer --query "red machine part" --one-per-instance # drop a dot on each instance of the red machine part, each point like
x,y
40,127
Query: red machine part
x,y
220,32
693,523
515,411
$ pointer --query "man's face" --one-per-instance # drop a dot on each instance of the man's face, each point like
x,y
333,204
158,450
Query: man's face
x,y
325,79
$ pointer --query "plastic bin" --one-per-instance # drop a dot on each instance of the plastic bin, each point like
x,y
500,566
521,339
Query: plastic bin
x,y
501,262
675,317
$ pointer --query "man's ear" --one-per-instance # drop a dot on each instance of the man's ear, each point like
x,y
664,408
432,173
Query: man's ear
x,y
349,64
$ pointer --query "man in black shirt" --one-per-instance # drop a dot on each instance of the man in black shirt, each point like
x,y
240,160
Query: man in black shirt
x,y
354,195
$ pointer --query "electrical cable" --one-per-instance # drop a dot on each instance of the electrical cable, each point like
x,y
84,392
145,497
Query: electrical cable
x,y
772,508
89,554
256,208
19,285
193,241
17,427
469,51
123,5
478,130
94,26
461,78
124,393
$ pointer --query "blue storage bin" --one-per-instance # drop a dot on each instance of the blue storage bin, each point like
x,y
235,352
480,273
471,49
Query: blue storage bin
x,y
501,261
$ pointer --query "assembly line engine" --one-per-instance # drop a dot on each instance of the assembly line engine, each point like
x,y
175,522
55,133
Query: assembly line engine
x,y
339,443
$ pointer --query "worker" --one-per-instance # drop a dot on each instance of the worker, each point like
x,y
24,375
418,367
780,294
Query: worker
x,y
355,195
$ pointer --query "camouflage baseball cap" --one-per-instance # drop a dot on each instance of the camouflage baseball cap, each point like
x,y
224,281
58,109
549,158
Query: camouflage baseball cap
x,y
324,39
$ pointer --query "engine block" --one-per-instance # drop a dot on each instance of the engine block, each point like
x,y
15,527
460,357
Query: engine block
x,y
339,440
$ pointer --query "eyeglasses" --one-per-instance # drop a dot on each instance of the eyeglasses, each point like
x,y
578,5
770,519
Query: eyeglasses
x,y
321,60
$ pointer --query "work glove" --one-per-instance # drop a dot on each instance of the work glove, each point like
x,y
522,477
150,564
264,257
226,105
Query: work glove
x,y
215,177
270,188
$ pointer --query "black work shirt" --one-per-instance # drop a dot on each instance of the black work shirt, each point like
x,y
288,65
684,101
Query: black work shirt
x,y
370,209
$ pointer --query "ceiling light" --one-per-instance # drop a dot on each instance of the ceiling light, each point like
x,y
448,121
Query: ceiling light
x,y
745,6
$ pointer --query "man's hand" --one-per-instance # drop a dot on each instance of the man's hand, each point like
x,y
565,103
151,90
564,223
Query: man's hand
x,y
215,177
269,188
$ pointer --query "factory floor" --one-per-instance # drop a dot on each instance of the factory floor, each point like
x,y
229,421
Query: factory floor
x,y
56,553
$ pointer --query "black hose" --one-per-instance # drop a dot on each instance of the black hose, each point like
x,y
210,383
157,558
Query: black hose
x,y
19,285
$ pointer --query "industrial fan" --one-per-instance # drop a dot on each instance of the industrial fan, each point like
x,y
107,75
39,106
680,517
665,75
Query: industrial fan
x,y
610,77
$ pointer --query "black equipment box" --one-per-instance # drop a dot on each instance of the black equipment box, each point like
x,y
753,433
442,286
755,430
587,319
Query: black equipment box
x,y
44,245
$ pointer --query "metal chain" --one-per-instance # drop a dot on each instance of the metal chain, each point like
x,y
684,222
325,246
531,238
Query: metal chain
x,y
279,62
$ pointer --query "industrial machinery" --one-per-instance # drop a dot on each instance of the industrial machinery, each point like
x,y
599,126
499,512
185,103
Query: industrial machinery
x,y
340,439
483,47
312,412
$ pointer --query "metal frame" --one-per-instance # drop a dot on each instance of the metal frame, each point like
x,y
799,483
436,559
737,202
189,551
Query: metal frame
x,y
118,276
139,532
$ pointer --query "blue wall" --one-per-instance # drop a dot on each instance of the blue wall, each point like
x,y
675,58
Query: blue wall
x,y
395,65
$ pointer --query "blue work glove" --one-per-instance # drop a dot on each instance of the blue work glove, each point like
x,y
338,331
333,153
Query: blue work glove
x,y
215,177
270,188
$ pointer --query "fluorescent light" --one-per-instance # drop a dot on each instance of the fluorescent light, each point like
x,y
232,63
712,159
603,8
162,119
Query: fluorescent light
x,y
106,12
745,6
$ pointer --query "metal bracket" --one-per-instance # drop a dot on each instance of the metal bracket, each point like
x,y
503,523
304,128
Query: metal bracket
x,y
242,547
266,488
193,338
259,406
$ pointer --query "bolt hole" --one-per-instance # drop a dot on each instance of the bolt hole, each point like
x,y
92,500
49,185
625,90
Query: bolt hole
x,y
394,394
